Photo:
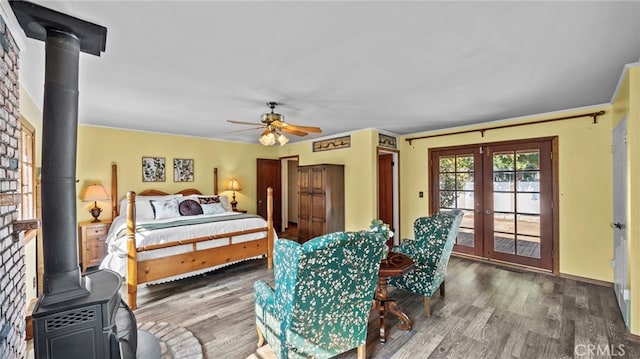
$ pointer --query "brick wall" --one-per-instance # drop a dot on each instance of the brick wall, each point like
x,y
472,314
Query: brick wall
x,y
12,269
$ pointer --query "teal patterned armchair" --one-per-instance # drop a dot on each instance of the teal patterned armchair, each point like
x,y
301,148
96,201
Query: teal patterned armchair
x,y
322,297
430,250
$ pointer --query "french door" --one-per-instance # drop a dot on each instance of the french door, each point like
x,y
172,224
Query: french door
x,y
506,193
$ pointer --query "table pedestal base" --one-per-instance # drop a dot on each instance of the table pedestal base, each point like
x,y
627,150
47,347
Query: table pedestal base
x,y
383,305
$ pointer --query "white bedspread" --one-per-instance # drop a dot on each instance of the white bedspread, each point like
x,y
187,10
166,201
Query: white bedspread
x,y
116,258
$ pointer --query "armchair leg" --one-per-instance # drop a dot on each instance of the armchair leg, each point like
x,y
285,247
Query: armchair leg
x,y
362,351
260,337
427,306
442,289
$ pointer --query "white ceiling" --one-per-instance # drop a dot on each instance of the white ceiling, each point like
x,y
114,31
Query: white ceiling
x,y
187,67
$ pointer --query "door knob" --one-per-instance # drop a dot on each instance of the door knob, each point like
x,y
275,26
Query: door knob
x,y
616,225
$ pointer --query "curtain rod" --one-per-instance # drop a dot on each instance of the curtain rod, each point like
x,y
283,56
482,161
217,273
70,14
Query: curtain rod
x,y
594,115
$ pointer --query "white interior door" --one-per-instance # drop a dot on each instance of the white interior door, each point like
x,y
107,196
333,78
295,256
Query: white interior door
x,y
620,261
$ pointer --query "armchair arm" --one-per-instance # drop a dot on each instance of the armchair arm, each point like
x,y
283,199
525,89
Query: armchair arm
x,y
265,296
410,247
419,251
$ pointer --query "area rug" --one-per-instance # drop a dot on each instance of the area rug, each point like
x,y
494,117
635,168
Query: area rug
x,y
175,342
263,352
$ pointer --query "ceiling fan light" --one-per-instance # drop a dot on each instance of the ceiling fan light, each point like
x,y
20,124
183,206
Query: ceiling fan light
x,y
282,140
267,139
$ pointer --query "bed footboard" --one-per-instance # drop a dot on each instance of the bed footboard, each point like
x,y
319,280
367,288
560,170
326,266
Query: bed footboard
x,y
140,272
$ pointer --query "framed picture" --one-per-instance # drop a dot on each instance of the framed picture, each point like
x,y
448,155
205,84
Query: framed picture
x,y
182,170
153,169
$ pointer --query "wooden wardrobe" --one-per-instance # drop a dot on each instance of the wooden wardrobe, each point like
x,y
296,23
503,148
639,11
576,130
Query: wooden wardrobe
x,y
320,200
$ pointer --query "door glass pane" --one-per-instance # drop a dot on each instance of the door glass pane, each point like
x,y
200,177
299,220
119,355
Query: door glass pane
x,y
529,246
528,181
503,181
465,237
504,222
464,181
528,160
447,164
503,161
504,242
465,200
503,233
447,181
503,202
447,199
465,234
464,164
528,203
528,225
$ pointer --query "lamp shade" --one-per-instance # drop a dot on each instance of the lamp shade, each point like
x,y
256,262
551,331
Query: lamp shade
x,y
233,185
95,192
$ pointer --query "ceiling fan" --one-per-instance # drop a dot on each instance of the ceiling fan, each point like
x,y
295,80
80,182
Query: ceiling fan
x,y
273,124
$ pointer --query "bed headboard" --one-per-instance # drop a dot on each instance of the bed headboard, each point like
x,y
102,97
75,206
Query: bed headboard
x,y
150,192
155,192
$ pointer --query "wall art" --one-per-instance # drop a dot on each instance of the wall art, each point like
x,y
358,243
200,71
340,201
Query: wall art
x,y
182,170
153,169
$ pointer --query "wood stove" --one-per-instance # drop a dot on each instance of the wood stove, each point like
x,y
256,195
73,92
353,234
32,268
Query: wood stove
x,y
77,316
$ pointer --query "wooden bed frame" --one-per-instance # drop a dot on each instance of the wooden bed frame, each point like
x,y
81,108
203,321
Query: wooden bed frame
x,y
140,272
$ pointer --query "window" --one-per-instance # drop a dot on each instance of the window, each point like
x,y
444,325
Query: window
x,y
27,208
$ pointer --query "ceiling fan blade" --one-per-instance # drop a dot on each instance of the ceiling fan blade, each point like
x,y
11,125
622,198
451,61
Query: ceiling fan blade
x,y
293,132
283,125
303,128
247,129
245,123
265,132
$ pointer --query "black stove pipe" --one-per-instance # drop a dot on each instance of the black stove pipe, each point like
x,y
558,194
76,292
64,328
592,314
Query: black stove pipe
x,y
65,37
62,279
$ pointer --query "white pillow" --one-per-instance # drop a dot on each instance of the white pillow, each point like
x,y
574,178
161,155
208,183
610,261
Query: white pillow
x,y
143,207
167,208
226,204
214,208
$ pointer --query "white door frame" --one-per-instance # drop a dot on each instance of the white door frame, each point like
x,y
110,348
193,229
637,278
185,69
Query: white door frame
x,y
619,225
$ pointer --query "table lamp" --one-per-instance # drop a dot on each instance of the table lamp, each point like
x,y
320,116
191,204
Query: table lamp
x,y
234,186
95,193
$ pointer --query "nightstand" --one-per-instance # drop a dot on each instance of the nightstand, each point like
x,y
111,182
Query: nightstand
x,y
240,210
92,246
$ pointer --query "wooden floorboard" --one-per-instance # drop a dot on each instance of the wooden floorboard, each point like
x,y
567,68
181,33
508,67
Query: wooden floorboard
x,y
488,312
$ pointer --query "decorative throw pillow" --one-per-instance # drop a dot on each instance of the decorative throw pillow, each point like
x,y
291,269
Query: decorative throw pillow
x,y
165,208
209,200
213,208
143,206
189,207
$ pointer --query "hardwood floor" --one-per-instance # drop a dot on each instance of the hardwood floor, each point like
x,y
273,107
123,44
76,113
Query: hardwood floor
x,y
291,232
488,312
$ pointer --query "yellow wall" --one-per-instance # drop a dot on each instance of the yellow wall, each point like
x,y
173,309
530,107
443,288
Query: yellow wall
x,y
98,147
627,103
32,113
360,163
585,184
